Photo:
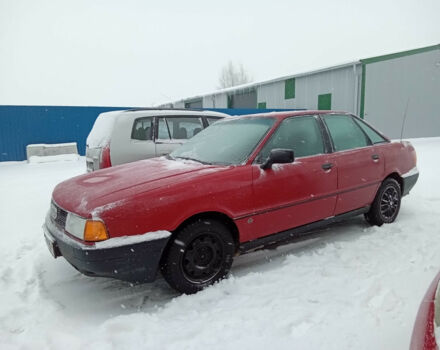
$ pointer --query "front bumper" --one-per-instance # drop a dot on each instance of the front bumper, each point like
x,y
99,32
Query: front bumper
x,y
135,263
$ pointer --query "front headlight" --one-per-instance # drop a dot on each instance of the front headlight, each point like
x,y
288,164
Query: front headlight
x,y
87,230
75,225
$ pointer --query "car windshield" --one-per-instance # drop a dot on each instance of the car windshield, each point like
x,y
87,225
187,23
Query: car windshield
x,y
229,141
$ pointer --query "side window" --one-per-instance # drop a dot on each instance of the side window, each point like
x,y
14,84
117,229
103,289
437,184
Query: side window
x,y
301,134
184,127
142,129
212,120
163,132
345,133
372,134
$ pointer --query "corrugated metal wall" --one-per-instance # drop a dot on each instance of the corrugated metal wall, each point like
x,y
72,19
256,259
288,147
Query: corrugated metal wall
x,y
24,125
391,84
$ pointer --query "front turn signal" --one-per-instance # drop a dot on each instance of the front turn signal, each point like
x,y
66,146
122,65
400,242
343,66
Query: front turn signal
x,y
95,231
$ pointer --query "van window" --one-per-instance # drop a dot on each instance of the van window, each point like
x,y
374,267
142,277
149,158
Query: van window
x,y
142,129
179,127
163,133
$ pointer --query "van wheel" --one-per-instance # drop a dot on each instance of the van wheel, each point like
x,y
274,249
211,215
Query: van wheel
x,y
386,204
200,254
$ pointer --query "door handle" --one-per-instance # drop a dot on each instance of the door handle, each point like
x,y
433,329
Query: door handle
x,y
327,166
375,157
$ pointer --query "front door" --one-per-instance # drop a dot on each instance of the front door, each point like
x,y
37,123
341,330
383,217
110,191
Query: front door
x,y
291,195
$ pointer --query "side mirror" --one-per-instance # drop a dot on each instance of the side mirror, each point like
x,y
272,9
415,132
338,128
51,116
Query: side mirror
x,y
278,156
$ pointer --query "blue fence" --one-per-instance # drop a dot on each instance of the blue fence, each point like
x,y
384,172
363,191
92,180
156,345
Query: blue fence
x,y
24,125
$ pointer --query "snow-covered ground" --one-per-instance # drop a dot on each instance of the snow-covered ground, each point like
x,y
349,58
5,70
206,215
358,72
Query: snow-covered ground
x,y
355,287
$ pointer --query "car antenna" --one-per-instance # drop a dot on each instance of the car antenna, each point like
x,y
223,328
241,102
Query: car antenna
x,y
404,119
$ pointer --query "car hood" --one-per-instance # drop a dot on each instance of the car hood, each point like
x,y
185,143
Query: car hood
x,y
85,194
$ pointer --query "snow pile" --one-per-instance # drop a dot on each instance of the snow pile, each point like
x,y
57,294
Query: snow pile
x,y
354,287
56,158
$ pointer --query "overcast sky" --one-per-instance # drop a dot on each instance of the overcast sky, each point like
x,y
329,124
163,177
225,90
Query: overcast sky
x,y
141,53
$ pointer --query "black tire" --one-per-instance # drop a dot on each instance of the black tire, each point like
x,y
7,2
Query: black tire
x,y
386,204
200,254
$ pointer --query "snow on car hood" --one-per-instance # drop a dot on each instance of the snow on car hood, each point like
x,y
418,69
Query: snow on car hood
x,y
89,194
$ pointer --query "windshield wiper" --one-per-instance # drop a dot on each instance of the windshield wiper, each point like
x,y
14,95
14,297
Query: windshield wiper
x,y
196,160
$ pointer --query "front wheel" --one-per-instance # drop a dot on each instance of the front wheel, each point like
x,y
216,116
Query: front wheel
x,y
386,204
200,254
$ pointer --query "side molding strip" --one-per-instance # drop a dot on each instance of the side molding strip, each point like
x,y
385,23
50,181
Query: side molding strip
x,y
296,233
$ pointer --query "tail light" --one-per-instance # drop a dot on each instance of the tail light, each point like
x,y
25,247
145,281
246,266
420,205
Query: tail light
x,y
104,158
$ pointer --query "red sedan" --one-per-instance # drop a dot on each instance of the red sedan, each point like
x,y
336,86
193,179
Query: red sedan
x,y
240,185
428,319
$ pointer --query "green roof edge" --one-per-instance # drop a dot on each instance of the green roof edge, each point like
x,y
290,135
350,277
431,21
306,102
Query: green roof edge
x,y
400,54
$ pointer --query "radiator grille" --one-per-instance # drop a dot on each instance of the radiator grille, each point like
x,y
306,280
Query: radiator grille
x,y
59,216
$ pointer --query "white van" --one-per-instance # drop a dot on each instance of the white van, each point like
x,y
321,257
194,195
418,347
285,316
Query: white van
x,y
125,136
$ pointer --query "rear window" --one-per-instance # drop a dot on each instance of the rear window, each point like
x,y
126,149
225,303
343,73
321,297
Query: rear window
x,y
345,133
142,129
372,134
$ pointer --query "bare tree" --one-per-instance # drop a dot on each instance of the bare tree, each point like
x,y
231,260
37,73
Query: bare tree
x,y
232,75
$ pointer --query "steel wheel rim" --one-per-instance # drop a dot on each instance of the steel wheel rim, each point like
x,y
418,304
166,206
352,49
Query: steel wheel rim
x,y
389,203
202,259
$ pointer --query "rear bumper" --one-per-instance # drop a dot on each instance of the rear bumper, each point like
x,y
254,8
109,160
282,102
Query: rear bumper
x,y
135,263
409,180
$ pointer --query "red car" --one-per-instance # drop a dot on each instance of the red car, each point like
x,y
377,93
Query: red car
x,y
240,185
428,319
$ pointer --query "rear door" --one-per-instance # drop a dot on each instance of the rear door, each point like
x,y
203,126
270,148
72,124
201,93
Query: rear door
x,y
172,131
360,164
290,195
132,140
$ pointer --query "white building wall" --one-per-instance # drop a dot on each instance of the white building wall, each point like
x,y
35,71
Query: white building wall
x,y
179,104
342,83
392,84
215,101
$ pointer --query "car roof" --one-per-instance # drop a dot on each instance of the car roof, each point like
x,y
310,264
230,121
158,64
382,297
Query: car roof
x,y
287,114
146,112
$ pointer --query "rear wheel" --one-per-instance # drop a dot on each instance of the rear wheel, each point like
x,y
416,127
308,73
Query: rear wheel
x,y
200,254
386,204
